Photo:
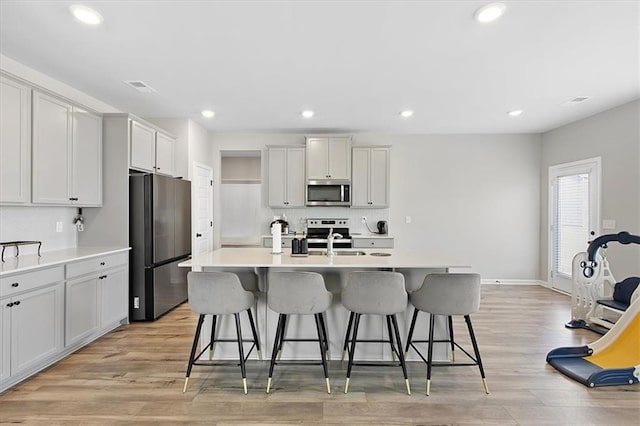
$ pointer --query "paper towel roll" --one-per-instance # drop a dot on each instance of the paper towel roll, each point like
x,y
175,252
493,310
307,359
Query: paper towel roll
x,y
276,238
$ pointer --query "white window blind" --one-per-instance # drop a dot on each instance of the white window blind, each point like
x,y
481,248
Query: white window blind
x,y
572,219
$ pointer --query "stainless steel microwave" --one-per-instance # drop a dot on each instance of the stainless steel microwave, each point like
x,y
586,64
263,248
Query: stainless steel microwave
x,y
328,193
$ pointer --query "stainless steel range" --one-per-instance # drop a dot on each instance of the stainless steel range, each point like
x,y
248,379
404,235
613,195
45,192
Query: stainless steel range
x,y
318,230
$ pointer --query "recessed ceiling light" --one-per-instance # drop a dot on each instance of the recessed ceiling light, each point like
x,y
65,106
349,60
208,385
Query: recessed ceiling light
x,y
515,112
406,114
86,14
307,113
208,113
490,12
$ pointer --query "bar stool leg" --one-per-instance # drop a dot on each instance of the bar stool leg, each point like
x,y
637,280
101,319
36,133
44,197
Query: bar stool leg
x,y
453,346
410,335
324,333
255,334
321,339
432,319
193,351
352,350
274,352
241,352
390,332
467,318
346,337
284,325
400,354
213,336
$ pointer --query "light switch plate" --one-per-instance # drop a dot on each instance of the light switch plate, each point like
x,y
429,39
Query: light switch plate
x,y
407,219
608,224
58,226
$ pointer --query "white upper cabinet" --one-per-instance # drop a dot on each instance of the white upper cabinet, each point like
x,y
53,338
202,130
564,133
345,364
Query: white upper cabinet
x,y
370,180
143,147
52,145
87,158
151,151
286,176
15,142
67,153
328,158
165,147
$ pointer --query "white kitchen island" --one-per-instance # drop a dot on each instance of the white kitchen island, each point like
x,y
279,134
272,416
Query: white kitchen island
x,y
253,265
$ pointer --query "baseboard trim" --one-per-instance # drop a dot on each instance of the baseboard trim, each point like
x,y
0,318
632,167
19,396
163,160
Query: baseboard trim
x,y
511,281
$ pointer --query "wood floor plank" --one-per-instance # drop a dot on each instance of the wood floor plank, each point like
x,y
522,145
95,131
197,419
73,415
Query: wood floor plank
x,y
135,375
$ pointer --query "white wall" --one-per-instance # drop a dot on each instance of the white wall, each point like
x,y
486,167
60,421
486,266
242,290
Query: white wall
x,y
470,197
200,146
613,135
38,224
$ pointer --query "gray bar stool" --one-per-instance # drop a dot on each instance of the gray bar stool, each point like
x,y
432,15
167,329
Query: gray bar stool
x,y
298,293
378,293
447,294
219,293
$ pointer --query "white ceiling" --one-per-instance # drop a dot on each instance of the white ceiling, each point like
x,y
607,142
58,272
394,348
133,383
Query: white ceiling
x,y
257,64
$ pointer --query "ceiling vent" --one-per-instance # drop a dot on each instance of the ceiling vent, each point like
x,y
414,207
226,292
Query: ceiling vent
x,y
140,86
576,100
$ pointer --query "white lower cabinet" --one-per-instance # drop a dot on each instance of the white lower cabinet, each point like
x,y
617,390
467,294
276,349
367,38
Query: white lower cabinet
x,y
31,327
96,296
36,326
43,318
81,309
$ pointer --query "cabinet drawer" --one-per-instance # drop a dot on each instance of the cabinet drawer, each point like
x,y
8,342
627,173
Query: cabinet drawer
x,y
373,243
30,280
96,264
268,242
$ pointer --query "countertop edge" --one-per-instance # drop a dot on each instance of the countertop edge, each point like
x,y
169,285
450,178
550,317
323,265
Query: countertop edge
x,y
59,258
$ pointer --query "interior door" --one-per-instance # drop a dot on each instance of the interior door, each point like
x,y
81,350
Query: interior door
x,y
574,195
202,207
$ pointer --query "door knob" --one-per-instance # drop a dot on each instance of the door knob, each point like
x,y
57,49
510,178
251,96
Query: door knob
x,y
198,235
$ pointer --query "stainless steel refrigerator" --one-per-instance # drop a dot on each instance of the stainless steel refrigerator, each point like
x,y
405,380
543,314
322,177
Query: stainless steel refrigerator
x,y
160,238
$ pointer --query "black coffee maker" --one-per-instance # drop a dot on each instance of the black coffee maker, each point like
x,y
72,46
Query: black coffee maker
x,y
382,227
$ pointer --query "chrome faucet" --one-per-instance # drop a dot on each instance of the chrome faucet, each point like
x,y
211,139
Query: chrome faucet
x,y
330,239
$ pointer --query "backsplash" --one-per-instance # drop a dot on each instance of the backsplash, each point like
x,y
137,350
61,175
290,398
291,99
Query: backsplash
x,y
298,217
38,223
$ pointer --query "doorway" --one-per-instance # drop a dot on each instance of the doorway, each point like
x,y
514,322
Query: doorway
x,y
574,214
202,208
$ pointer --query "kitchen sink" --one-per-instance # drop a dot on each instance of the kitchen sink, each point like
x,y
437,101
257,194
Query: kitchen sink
x,y
337,253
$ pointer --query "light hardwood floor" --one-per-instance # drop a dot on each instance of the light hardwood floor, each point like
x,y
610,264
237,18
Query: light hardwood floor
x,y
135,375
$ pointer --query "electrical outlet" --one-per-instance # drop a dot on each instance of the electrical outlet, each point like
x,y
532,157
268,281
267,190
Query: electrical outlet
x,y
407,219
136,303
58,226
363,219
79,226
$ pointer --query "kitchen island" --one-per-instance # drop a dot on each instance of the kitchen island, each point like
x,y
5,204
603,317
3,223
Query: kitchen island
x,y
253,264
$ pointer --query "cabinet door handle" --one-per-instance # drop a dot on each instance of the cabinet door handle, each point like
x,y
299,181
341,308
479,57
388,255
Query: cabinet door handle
x,y
9,305
102,277
157,168
198,235
73,198
16,303
15,285
102,263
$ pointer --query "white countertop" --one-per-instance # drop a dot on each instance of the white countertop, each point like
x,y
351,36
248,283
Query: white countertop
x,y
262,257
33,261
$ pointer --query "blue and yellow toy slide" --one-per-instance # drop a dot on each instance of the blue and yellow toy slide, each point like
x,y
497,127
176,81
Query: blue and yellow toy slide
x,y
612,360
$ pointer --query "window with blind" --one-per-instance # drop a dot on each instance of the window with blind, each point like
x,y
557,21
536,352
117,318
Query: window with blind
x,y
572,219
